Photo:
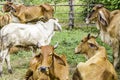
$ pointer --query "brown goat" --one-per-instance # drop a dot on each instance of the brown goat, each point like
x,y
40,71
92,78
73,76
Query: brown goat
x,y
108,24
97,67
17,49
48,66
4,20
29,13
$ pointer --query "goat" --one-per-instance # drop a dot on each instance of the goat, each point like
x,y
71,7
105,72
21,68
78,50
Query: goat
x,y
47,65
29,13
97,67
25,35
108,24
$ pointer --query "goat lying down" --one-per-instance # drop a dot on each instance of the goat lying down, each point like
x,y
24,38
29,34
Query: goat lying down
x,y
48,65
97,67
29,13
17,34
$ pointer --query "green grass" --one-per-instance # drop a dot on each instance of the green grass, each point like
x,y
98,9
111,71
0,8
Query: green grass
x,y
68,40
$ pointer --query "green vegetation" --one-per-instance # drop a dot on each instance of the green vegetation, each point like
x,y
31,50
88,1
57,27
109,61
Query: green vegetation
x,y
67,39
111,4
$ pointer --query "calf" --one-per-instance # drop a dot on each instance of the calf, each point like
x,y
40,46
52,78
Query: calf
x,y
48,66
97,67
29,13
26,35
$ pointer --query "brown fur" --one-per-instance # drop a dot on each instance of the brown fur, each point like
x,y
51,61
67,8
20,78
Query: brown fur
x,y
97,67
108,23
29,13
113,13
56,66
4,20
17,49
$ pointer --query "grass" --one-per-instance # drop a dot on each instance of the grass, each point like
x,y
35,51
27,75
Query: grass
x,y
68,40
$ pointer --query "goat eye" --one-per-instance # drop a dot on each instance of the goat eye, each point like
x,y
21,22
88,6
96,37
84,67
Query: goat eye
x,y
81,40
91,45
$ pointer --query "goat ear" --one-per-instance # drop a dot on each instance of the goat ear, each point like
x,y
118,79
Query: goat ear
x,y
102,18
93,46
34,61
45,7
13,9
59,60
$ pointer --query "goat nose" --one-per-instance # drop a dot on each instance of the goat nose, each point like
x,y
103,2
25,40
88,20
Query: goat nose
x,y
43,68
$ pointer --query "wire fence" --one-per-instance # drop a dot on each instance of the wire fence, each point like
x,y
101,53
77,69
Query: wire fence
x,y
71,17
75,14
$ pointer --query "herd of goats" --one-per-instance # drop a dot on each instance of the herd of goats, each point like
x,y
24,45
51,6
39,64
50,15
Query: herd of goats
x,y
34,26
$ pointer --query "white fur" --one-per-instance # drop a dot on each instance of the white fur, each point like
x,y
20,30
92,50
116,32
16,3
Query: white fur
x,y
15,34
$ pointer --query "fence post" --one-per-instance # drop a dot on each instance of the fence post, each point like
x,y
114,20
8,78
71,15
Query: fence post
x,y
71,14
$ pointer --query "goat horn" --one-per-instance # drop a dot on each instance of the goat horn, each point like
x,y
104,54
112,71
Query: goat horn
x,y
99,5
39,44
88,36
56,45
97,34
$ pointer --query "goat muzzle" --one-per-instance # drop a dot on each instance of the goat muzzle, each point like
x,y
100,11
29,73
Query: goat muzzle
x,y
43,69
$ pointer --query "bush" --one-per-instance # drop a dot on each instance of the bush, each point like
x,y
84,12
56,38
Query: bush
x,y
109,4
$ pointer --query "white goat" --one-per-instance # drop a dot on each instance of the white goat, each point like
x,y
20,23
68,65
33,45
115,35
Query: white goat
x,y
17,34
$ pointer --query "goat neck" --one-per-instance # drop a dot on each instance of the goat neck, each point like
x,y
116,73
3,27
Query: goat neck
x,y
100,53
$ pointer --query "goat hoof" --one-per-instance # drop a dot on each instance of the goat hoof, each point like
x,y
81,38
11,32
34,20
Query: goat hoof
x,y
10,71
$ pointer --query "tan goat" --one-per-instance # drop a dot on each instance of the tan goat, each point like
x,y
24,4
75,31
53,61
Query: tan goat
x,y
108,23
29,13
48,66
97,67
6,19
